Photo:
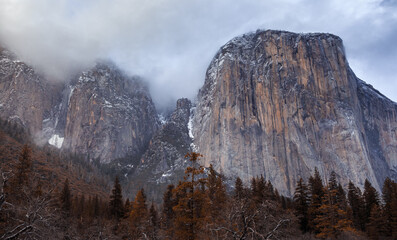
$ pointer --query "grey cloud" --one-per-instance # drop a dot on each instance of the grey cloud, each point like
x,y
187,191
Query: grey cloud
x,y
171,42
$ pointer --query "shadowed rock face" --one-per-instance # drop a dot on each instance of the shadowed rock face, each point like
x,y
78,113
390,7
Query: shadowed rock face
x,y
25,97
163,162
280,104
101,113
109,115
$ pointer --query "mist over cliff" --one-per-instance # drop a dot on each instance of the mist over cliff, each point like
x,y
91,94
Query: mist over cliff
x,y
170,43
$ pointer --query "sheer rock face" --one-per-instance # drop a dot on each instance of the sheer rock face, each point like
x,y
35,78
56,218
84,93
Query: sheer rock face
x,y
102,113
25,97
280,104
109,115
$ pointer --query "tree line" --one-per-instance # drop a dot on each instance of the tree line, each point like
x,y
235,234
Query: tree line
x,y
198,207
327,211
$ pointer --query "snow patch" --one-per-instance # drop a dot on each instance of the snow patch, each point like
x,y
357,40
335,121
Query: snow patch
x,y
190,128
162,119
190,123
56,141
70,93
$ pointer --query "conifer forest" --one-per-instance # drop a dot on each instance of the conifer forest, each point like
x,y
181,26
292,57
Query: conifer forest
x,y
40,201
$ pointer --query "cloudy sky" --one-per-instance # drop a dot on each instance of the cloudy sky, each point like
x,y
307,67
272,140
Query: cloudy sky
x,y
171,42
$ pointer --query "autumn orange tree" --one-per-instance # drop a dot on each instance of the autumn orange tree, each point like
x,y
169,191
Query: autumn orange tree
x,y
189,212
139,215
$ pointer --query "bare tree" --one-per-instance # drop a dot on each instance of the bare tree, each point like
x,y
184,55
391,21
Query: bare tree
x,y
32,218
245,221
5,177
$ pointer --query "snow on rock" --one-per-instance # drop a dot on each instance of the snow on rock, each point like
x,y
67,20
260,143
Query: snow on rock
x,y
56,141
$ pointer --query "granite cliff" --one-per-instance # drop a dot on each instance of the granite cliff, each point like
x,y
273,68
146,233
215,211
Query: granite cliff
x,y
279,104
109,115
101,112
274,103
26,98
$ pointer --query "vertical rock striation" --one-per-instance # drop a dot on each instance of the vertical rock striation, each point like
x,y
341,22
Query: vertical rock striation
x,y
26,98
109,115
279,104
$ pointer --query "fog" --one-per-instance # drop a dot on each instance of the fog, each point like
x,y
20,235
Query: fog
x,y
170,43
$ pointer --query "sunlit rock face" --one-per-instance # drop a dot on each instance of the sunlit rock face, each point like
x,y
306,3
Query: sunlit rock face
x,y
279,104
109,115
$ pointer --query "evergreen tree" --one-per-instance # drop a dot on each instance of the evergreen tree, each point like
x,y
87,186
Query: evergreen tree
x,y
139,207
116,207
269,192
66,198
341,197
238,188
393,222
139,215
371,198
356,204
127,208
387,196
301,201
376,226
154,223
259,191
216,195
168,213
316,190
331,220
189,212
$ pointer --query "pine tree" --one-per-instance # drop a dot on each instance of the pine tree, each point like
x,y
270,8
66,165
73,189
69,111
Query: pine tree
x,y
331,220
127,208
189,212
316,190
66,198
356,204
168,213
301,200
217,197
139,215
376,223
238,189
116,201
154,222
387,196
139,208
371,198
259,191
393,222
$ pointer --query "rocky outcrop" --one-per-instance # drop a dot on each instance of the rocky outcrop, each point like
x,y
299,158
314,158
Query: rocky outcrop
x,y
279,104
109,115
26,98
163,162
101,113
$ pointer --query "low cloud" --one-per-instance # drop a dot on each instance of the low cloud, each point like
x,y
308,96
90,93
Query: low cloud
x,y
171,42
